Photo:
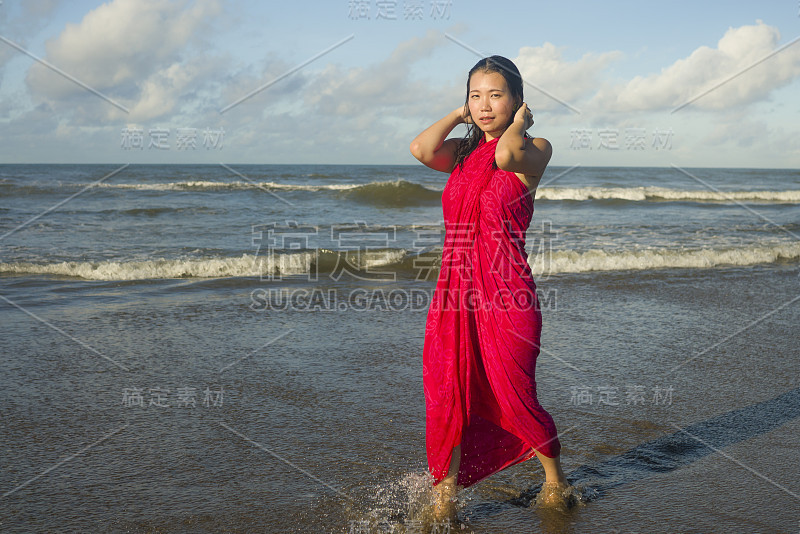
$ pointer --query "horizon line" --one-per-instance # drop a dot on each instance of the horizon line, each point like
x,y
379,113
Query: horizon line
x,y
399,165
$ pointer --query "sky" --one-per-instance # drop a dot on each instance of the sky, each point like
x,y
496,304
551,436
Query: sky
x,y
615,83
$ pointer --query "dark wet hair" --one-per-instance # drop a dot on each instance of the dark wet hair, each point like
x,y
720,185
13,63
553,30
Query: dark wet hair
x,y
509,71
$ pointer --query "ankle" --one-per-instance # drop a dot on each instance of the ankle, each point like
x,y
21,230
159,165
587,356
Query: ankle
x,y
560,480
448,481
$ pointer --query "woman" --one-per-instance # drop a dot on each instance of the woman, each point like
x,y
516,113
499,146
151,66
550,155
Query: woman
x,y
484,322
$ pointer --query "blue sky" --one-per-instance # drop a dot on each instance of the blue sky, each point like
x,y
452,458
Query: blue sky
x,y
604,79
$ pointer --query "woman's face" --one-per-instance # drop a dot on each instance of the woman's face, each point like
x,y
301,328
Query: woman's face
x,y
490,103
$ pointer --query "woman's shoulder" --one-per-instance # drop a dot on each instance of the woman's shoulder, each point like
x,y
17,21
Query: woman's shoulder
x,y
545,149
542,151
540,143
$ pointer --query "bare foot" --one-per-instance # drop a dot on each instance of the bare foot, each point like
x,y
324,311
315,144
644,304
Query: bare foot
x,y
444,507
555,495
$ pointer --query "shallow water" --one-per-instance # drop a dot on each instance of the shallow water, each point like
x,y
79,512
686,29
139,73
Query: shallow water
x,y
323,427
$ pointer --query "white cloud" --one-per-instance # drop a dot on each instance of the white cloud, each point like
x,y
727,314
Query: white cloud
x,y
341,114
275,91
568,81
706,67
361,91
175,88
131,50
335,114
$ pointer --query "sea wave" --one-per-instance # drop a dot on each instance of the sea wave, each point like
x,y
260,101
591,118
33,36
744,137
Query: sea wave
x,y
385,264
662,194
662,258
403,192
210,185
390,193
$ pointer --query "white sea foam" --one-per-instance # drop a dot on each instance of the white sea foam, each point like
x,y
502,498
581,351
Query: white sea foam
x,y
641,194
632,194
237,185
661,258
243,266
302,263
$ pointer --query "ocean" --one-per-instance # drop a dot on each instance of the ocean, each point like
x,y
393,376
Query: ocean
x,y
238,348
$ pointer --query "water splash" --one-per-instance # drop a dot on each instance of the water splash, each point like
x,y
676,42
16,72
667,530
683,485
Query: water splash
x,y
403,505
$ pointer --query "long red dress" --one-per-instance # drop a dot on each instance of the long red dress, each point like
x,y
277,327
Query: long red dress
x,y
483,328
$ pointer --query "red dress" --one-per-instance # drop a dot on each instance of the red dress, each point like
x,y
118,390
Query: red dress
x,y
483,328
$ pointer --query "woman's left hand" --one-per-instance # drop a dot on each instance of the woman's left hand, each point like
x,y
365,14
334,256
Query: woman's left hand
x,y
525,116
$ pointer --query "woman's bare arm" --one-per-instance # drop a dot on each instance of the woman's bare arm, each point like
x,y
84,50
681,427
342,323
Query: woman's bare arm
x,y
517,154
431,148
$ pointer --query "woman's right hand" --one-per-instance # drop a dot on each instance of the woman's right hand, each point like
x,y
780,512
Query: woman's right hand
x,y
463,114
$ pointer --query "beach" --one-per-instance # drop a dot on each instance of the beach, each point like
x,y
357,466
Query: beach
x,y
191,349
